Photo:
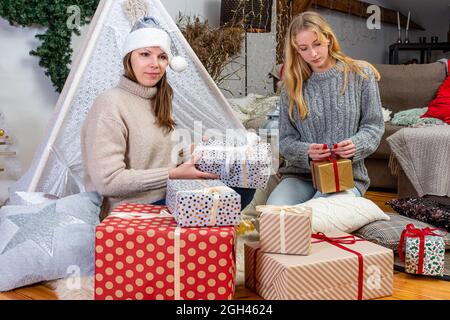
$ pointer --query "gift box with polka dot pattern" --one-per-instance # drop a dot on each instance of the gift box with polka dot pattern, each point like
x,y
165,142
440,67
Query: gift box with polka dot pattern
x,y
193,208
152,258
252,170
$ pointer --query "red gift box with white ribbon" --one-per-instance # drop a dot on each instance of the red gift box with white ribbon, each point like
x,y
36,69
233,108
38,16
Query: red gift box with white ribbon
x,y
141,253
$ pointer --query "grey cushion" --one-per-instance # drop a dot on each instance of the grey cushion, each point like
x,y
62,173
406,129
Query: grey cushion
x,y
409,86
387,233
47,241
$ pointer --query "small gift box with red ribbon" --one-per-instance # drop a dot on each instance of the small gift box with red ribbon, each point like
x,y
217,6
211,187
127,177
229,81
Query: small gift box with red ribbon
x,y
141,254
339,267
285,229
424,251
333,174
244,166
199,203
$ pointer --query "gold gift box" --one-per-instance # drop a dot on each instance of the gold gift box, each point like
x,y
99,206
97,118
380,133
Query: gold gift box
x,y
324,178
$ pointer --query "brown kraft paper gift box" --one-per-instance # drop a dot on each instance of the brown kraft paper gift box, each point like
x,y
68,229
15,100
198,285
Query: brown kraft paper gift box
x,y
324,177
285,229
328,273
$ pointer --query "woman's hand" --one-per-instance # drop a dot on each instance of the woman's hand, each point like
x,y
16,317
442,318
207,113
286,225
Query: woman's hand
x,y
316,152
345,149
188,170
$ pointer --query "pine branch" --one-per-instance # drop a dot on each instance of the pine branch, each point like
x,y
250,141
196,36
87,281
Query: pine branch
x,y
54,52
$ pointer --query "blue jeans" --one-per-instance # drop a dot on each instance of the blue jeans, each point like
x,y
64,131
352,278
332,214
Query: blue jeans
x,y
161,202
246,197
292,190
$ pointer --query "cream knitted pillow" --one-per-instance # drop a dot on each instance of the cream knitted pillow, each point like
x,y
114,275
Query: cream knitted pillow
x,y
344,212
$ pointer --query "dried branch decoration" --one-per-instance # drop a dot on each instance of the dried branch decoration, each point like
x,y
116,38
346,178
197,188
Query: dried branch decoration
x,y
216,47
134,9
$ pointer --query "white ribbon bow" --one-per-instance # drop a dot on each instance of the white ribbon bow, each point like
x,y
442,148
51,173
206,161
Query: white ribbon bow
x,y
139,215
216,192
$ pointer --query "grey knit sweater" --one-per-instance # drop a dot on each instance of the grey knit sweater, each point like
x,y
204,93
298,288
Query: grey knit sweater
x,y
332,118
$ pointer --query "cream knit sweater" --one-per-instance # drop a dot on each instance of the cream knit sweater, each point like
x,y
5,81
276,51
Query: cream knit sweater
x,y
125,154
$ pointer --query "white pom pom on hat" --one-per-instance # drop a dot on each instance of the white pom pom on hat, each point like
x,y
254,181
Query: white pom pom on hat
x,y
147,32
178,64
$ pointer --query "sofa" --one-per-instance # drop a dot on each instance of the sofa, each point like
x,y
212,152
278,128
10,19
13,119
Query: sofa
x,y
401,87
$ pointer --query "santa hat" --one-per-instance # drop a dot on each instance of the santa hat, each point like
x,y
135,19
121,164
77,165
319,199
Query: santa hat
x,y
147,32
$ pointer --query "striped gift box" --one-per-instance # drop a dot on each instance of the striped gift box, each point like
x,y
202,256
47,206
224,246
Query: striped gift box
x,y
328,273
285,229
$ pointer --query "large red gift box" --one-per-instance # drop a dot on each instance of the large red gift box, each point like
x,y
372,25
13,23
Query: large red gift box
x,y
142,254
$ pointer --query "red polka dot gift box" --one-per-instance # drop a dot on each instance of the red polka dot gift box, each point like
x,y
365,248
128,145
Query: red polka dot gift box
x,y
141,254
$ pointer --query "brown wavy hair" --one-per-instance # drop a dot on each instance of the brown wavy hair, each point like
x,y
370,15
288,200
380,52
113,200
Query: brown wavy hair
x,y
297,70
162,104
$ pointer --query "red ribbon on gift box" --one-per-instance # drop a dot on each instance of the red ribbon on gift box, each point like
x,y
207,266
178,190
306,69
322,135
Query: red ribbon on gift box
x,y
338,242
333,157
412,232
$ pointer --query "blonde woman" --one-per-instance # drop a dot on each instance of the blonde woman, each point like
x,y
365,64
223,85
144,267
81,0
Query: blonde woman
x,y
327,98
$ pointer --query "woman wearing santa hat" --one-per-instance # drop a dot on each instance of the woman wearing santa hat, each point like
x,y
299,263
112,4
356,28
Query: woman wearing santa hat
x,y
125,139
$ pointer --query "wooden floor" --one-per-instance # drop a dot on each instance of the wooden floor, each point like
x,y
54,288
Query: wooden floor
x,y
406,286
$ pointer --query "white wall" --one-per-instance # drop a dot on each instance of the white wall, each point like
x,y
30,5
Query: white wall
x,y
208,9
26,94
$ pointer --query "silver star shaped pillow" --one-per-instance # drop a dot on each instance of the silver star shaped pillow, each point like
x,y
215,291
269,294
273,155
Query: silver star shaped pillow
x,y
48,241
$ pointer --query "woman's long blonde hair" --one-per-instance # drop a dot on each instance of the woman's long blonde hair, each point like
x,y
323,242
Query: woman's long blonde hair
x,y
162,106
296,70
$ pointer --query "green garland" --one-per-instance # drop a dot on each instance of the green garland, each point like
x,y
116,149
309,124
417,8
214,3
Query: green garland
x,y
55,52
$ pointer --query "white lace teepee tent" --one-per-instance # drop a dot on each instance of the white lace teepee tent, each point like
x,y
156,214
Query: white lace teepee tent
x,y
57,168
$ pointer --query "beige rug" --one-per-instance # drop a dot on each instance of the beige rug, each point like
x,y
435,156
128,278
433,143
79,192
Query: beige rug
x,y
84,290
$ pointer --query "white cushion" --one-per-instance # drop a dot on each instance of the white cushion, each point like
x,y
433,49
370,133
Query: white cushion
x,y
386,114
344,212
252,106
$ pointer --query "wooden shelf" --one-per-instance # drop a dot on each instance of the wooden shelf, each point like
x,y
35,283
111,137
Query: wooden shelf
x,y
7,153
359,9
423,48
286,9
